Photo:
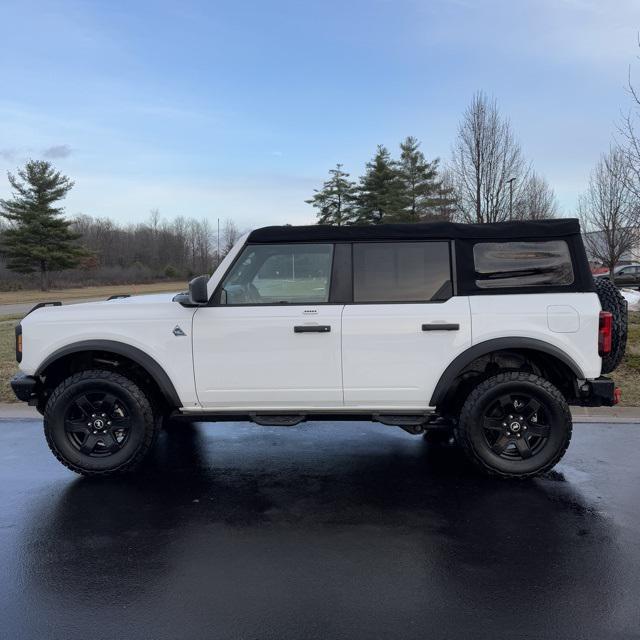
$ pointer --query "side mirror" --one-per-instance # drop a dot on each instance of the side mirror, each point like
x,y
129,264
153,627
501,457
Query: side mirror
x,y
223,296
198,290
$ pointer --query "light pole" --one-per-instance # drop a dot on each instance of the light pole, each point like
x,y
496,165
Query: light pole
x,y
510,183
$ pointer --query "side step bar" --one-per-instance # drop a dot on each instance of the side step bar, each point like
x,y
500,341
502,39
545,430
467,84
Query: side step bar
x,y
414,424
277,421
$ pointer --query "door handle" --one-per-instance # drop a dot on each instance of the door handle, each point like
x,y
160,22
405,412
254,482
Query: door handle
x,y
441,327
312,328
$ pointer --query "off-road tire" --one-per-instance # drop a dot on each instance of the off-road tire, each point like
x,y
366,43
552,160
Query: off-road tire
x,y
470,433
612,300
144,427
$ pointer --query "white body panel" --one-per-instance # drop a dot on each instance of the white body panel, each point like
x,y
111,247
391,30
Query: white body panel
x,y
375,357
250,357
145,322
389,361
543,316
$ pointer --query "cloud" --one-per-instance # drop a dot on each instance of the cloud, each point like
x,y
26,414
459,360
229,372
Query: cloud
x,y
8,154
57,151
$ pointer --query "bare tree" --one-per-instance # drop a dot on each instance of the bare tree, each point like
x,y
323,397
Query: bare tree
x,y
609,211
485,157
230,235
536,200
175,248
154,221
630,130
204,245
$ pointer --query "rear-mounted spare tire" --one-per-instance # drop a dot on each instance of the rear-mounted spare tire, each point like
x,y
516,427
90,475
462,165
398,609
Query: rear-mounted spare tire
x,y
612,301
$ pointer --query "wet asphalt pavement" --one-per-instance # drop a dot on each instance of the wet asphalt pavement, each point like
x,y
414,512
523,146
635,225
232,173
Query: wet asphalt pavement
x,y
341,530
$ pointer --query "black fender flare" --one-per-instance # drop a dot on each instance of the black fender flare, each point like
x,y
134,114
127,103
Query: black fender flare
x,y
498,344
151,366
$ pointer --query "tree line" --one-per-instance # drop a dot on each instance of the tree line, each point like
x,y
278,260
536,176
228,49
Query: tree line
x,y
407,189
38,241
486,180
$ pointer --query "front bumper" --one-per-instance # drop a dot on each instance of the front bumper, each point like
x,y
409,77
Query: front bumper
x,y
24,387
599,392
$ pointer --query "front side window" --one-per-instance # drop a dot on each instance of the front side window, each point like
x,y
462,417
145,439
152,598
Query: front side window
x,y
401,271
280,274
522,264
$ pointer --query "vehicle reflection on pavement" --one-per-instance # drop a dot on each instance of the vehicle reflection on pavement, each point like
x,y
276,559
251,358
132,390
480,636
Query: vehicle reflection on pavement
x,y
325,530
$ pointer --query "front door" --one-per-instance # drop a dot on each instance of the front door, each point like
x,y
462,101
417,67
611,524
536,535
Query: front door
x,y
273,340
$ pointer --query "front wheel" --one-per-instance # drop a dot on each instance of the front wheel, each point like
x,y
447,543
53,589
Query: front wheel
x,y
99,423
515,425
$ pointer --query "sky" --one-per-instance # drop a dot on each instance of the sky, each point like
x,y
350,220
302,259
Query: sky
x,y
238,109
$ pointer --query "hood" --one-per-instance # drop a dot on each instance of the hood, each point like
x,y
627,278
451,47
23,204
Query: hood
x,y
150,298
117,308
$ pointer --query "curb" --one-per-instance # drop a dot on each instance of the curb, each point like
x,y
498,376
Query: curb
x,y
613,415
18,410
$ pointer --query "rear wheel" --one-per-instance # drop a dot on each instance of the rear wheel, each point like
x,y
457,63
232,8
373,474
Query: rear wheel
x,y
515,425
99,423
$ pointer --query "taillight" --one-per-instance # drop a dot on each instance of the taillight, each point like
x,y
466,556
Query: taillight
x,y
605,333
19,342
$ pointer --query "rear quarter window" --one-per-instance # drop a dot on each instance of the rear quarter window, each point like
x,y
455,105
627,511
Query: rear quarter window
x,y
522,264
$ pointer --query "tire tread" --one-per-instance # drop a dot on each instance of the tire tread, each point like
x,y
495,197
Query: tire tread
x,y
475,396
139,396
613,301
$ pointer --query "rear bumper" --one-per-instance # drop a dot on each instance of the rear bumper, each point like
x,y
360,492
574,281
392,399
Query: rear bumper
x,y
24,387
599,392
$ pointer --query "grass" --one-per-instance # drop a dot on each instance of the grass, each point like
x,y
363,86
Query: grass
x,y
18,297
8,365
627,375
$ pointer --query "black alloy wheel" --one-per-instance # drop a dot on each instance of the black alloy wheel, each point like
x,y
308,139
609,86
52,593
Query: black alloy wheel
x,y
515,425
99,422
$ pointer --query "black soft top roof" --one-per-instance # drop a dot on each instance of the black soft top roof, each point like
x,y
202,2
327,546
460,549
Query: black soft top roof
x,y
420,231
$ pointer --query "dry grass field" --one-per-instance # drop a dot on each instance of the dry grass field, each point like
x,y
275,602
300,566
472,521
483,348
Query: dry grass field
x,y
18,297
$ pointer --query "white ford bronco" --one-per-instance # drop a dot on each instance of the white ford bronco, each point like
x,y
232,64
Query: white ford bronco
x,y
480,334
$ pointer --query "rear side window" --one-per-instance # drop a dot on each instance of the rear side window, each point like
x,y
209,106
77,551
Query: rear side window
x,y
522,264
401,271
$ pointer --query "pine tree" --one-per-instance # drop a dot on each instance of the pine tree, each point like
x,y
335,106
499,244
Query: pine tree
x,y
38,238
336,200
381,191
426,195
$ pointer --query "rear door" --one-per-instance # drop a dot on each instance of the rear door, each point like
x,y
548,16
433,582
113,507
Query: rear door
x,y
404,326
272,340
